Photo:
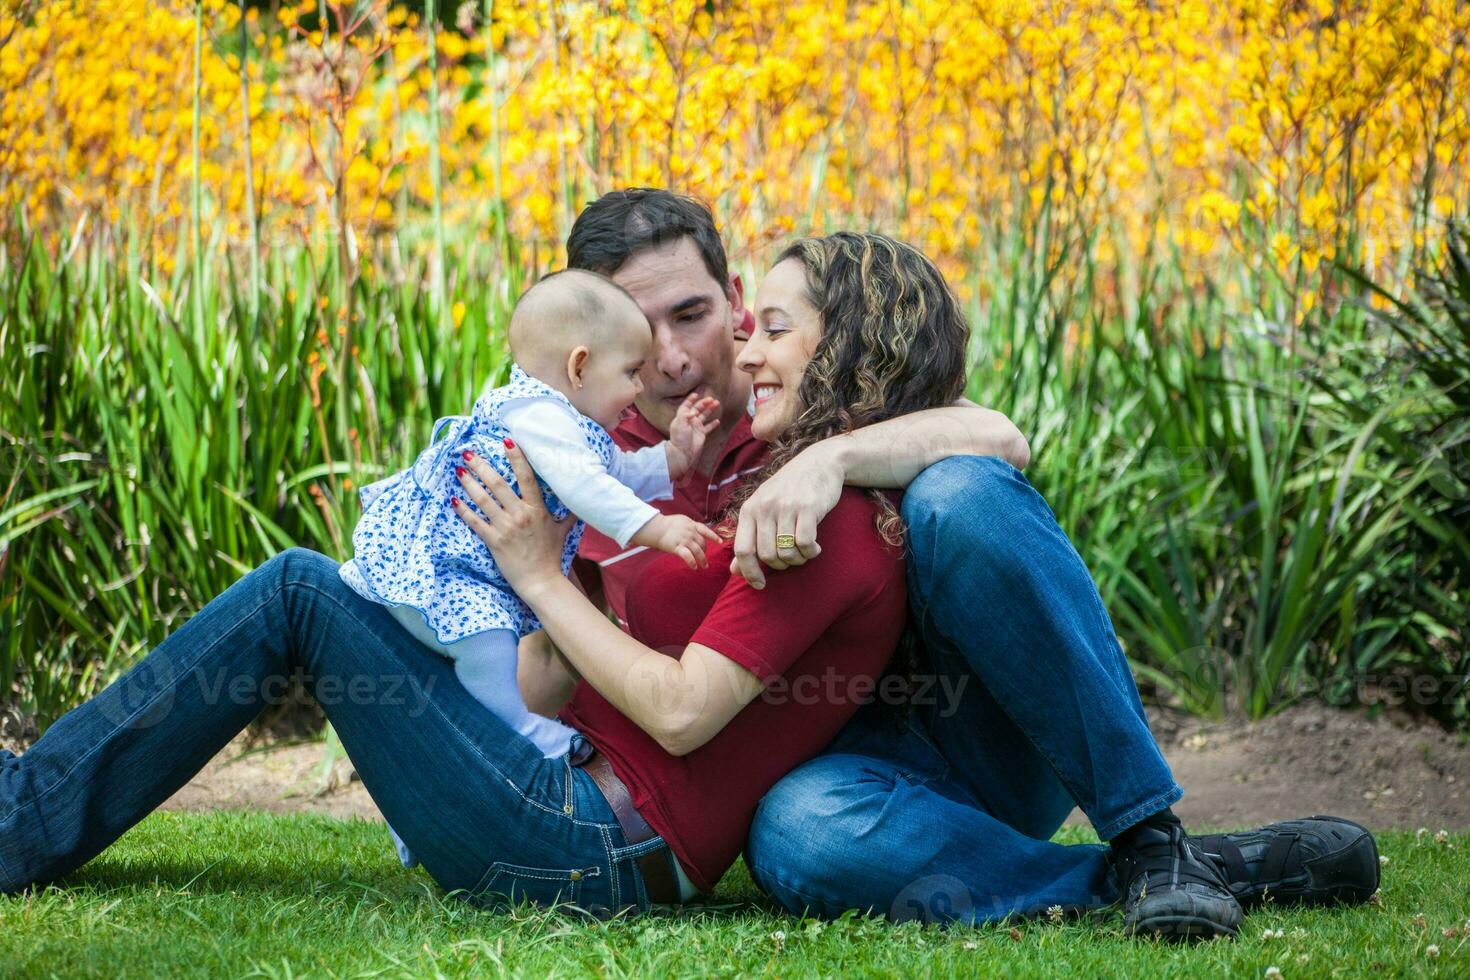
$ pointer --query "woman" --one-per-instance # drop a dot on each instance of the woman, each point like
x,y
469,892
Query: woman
x,y
673,752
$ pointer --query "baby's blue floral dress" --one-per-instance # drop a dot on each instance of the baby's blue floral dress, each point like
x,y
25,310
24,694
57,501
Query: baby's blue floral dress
x,y
411,549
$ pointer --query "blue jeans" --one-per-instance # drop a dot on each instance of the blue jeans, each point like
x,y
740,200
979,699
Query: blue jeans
x,y
945,813
488,815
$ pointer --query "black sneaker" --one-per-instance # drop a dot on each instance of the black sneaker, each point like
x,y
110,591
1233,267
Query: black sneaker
x,y
1316,861
1171,889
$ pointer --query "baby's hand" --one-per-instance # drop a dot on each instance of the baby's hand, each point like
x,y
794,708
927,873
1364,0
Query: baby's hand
x,y
677,535
694,420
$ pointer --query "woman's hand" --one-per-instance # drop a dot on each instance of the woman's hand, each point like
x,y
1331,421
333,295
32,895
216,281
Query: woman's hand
x,y
793,501
520,532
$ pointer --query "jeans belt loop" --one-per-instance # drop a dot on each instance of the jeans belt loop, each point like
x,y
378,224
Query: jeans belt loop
x,y
655,866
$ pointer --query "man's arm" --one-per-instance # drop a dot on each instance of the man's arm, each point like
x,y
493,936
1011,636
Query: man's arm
x,y
887,455
890,454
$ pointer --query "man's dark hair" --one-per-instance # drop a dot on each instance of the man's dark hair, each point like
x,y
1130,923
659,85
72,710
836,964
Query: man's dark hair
x,y
620,224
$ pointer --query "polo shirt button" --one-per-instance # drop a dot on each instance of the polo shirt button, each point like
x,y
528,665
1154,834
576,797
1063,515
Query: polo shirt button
x,y
576,876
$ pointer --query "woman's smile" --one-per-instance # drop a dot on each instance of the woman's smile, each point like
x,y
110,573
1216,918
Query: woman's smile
x,y
766,408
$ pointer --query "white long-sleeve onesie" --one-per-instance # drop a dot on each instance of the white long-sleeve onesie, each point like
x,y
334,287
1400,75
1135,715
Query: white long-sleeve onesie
x,y
611,499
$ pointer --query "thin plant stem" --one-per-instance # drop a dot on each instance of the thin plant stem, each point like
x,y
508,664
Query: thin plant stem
x,y
435,176
250,214
562,174
197,288
401,203
493,63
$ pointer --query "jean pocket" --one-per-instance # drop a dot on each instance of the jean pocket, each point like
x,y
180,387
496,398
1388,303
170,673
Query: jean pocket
x,y
510,884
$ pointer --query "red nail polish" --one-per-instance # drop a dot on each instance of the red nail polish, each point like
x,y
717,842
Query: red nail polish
x,y
454,501
509,443
459,471
468,455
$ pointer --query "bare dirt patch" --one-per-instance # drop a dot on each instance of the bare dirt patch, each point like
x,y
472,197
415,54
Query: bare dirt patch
x,y
1385,773
284,778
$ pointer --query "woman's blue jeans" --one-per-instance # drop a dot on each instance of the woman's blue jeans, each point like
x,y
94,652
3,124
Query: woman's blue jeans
x,y
485,812
945,814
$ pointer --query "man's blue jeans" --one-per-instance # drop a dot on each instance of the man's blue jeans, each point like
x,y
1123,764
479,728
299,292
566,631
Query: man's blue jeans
x,y
946,814
484,811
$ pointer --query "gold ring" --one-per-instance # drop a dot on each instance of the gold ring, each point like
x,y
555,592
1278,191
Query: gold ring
x,y
785,541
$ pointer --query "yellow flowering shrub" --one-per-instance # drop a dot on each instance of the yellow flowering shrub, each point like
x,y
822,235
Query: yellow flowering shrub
x,y
1277,132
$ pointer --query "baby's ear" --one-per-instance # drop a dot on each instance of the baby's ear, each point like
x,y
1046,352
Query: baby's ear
x,y
577,364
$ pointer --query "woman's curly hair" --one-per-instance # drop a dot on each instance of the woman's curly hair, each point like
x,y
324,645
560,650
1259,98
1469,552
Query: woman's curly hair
x,y
893,342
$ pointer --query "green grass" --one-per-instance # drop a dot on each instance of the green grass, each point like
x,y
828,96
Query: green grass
x,y
250,894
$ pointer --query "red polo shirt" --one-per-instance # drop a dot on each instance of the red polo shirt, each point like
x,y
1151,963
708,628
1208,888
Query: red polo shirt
x,y
702,496
818,636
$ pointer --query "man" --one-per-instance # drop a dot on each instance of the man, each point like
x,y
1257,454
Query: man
x,y
944,810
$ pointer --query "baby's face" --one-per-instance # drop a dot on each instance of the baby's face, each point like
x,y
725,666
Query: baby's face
x,y
610,380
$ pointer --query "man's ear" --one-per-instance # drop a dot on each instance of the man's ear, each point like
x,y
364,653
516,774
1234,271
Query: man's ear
x,y
735,293
741,319
577,364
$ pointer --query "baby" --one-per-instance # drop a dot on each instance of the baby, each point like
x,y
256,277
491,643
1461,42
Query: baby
x,y
578,342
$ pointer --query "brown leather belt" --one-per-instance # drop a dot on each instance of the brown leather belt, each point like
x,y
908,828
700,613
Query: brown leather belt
x,y
656,866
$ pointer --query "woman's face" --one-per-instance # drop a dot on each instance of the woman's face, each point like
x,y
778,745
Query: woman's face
x,y
788,328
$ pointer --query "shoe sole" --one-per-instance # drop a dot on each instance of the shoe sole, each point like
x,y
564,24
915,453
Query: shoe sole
x,y
1347,877
1186,916
1182,927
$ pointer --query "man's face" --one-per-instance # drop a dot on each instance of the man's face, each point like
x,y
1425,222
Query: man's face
x,y
693,321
